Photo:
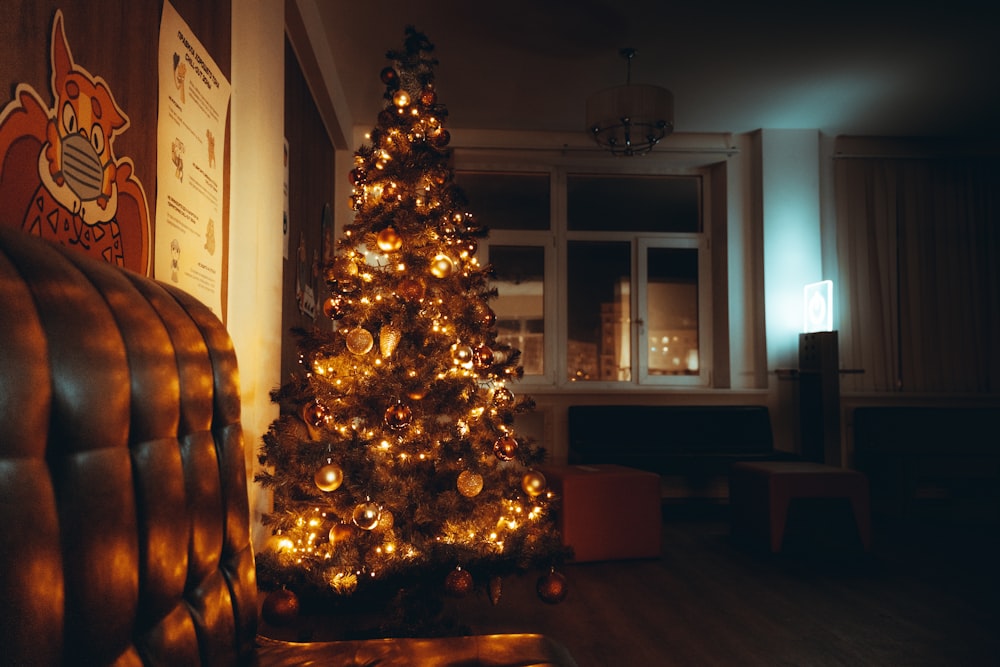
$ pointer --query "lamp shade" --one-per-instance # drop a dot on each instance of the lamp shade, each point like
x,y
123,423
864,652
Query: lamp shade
x,y
630,119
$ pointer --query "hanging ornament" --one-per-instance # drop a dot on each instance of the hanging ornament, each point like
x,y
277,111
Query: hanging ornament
x,y
389,240
533,483
552,587
496,587
333,308
388,338
357,176
469,483
329,477
417,393
341,532
489,317
401,99
503,397
458,582
505,448
441,139
280,608
442,266
428,97
314,414
483,356
386,520
398,416
462,355
366,515
389,77
411,289
347,285
360,340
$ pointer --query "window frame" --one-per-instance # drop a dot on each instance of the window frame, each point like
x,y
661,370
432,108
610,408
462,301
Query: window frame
x,y
555,243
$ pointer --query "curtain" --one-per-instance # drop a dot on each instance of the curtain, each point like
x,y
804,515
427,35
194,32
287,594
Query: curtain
x,y
918,253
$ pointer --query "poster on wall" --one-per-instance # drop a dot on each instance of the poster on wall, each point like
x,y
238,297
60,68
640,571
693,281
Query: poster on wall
x,y
194,101
61,176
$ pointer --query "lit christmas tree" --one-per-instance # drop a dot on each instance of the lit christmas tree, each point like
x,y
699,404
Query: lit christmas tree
x,y
395,459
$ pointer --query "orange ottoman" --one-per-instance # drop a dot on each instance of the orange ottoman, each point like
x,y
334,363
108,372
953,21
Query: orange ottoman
x,y
607,512
760,493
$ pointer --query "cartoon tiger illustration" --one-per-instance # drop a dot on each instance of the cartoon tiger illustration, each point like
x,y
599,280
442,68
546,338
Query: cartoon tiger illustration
x,y
59,176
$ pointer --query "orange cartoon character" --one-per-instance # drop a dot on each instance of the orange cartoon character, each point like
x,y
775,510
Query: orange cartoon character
x,y
59,176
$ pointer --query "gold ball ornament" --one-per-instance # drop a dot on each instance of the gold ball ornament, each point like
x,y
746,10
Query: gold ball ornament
x,y
314,414
533,483
505,448
360,340
552,587
458,582
442,266
366,515
469,483
389,240
401,99
462,355
341,532
329,477
398,416
280,608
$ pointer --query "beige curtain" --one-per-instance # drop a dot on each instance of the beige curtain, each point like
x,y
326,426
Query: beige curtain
x,y
918,252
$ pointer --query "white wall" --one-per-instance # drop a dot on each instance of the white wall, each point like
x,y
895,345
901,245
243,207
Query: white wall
x,y
255,215
790,197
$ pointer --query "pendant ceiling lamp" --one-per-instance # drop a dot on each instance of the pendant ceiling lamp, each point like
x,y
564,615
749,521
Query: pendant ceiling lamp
x,y
630,119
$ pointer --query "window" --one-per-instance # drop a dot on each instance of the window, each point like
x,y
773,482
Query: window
x,y
603,279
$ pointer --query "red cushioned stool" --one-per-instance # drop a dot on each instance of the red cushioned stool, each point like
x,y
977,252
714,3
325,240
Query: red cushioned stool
x,y
760,493
607,512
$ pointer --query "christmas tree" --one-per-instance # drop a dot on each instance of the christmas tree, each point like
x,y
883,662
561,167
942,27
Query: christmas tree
x,y
395,459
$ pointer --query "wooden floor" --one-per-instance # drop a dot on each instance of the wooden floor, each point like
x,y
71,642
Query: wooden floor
x,y
923,596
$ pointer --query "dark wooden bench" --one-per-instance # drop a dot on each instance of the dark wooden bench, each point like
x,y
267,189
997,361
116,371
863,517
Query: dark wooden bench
x,y
930,463
698,443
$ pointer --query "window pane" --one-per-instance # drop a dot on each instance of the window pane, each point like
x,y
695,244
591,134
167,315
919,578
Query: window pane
x,y
633,203
599,317
507,200
672,310
520,305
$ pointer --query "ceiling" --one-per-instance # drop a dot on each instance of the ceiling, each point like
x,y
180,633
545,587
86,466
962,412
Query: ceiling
x,y
850,67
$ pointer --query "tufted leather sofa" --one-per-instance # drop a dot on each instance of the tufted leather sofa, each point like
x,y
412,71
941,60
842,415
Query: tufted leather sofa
x,y
124,515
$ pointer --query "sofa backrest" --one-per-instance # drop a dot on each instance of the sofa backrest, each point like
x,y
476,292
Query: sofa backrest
x,y
123,495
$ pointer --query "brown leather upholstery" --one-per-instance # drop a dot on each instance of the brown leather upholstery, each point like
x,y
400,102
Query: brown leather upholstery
x,y
124,516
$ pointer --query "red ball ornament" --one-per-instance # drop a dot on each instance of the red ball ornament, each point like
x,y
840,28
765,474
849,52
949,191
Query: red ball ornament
x,y
389,76
441,139
410,289
280,608
483,356
398,416
458,583
489,317
333,308
505,448
552,587
357,176
428,97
